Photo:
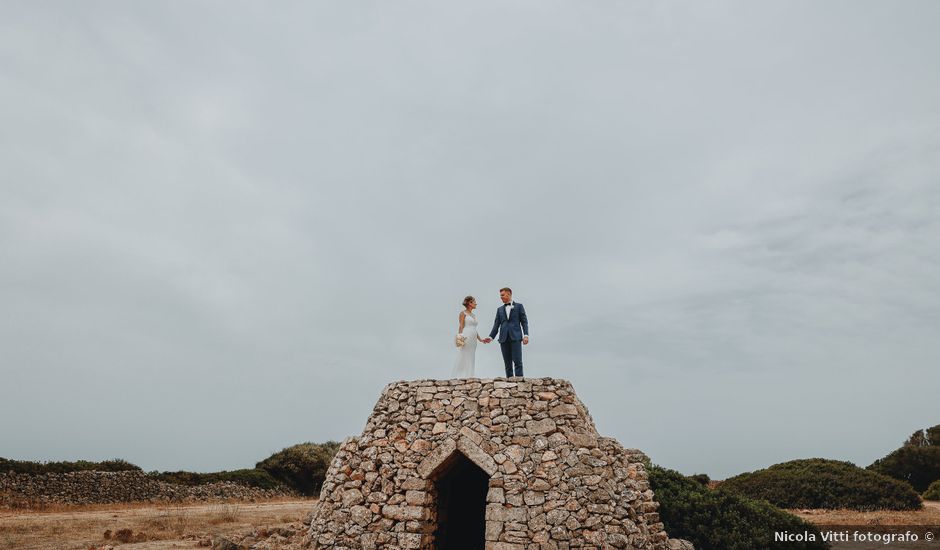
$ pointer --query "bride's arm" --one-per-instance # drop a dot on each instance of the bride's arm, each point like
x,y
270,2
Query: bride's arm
x,y
462,315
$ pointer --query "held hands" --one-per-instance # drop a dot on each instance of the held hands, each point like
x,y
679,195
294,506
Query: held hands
x,y
487,340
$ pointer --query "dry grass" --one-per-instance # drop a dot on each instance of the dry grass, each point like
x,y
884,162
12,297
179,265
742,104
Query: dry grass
x,y
929,516
227,513
80,529
172,520
886,521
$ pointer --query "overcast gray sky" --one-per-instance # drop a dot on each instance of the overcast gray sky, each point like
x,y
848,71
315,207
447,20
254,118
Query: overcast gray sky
x,y
225,226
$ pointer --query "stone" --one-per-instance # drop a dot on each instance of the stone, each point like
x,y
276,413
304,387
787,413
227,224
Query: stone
x,y
360,515
416,497
403,512
421,446
415,484
532,498
584,441
352,496
540,485
536,427
563,410
436,458
552,481
223,543
477,455
409,541
497,512
493,529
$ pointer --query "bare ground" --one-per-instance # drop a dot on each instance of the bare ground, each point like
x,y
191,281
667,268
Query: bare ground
x,y
879,522
152,526
166,526
929,516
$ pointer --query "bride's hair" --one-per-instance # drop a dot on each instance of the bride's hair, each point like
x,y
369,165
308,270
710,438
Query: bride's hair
x,y
467,300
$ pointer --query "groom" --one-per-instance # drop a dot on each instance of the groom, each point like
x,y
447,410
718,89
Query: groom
x,y
513,328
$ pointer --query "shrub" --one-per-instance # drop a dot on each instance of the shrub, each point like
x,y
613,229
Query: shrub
x,y
924,438
250,477
700,478
717,520
30,467
301,467
821,483
917,465
933,492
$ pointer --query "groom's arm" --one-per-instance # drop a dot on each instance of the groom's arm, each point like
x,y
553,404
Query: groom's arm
x,y
495,326
523,320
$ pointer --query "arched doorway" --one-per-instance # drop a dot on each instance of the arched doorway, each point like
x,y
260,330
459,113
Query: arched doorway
x,y
460,487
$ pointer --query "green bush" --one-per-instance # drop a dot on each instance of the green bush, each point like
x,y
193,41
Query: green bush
x,y
34,468
700,478
916,462
821,483
718,520
250,477
301,467
933,492
917,465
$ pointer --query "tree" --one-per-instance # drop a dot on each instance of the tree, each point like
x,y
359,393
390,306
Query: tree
x,y
919,466
917,439
301,467
924,438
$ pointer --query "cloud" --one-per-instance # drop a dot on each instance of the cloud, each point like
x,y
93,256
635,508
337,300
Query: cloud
x,y
223,232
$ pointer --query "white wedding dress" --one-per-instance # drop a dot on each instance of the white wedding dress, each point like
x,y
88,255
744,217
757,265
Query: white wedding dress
x,y
466,355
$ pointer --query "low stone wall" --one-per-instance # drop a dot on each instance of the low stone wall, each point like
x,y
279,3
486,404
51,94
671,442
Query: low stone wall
x,y
90,487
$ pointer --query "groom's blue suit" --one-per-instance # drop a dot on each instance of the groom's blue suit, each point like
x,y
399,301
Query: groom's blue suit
x,y
511,329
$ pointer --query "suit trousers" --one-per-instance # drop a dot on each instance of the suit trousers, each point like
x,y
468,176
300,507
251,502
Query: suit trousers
x,y
512,353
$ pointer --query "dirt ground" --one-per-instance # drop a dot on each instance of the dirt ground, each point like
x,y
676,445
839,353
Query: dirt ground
x,y
878,524
162,527
152,526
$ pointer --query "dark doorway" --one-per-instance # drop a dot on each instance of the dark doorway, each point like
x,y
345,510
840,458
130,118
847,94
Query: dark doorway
x,y
461,505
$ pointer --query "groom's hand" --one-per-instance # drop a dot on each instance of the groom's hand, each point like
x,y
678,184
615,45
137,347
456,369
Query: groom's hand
x,y
525,340
487,340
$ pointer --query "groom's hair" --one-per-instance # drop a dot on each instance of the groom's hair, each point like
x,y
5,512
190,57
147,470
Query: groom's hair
x,y
507,289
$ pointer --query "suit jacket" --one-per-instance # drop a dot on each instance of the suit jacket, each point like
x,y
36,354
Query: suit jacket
x,y
512,328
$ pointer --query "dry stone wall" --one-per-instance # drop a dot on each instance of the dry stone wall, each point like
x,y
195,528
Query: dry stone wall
x,y
552,481
94,487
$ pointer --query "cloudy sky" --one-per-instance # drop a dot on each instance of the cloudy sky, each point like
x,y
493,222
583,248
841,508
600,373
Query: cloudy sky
x,y
225,226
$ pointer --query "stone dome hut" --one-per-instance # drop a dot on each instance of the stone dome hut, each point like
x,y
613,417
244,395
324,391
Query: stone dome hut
x,y
504,464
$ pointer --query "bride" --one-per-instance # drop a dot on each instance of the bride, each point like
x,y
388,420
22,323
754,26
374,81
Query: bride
x,y
466,354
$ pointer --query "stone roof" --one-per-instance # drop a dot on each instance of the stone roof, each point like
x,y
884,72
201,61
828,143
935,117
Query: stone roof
x,y
548,480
